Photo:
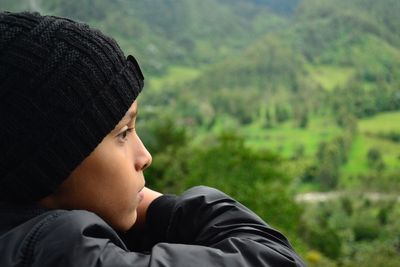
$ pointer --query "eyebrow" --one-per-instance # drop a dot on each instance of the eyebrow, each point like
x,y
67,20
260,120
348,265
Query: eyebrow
x,y
128,115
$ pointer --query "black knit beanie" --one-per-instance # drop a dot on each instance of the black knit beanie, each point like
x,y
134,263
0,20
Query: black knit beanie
x,y
63,87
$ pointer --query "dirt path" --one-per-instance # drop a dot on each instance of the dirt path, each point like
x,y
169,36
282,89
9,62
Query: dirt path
x,y
315,197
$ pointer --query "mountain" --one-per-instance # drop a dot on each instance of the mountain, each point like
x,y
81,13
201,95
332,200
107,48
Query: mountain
x,y
325,45
250,54
163,33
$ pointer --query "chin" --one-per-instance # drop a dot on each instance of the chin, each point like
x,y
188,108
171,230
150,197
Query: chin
x,y
127,223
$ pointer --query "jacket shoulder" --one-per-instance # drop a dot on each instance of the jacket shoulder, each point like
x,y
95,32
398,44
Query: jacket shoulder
x,y
59,238
78,232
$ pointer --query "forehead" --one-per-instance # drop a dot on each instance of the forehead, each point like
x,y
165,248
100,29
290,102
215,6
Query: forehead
x,y
134,105
132,110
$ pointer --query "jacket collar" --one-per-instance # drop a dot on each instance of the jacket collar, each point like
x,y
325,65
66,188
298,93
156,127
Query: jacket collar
x,y
12,215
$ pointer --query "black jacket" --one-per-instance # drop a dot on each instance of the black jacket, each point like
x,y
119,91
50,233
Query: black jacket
x,y
203,227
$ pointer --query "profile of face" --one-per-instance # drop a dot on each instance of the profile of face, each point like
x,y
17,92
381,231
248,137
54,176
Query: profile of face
x,y
109,181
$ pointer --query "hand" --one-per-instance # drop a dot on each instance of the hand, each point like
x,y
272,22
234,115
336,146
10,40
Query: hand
x,y
149,197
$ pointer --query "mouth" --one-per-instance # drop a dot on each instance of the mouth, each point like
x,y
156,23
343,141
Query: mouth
x,y
140,194
142,187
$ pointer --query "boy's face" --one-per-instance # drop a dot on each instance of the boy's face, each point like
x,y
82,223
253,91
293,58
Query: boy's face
x,y
109,180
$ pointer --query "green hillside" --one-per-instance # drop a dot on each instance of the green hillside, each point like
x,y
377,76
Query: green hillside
x,y
345,48
183,32
267,99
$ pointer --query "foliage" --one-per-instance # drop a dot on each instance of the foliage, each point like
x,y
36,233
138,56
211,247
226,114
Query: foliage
x,y
374,157
228,82
338,232
252,177
330,157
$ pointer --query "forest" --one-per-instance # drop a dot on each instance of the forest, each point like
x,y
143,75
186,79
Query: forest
x,y
290,106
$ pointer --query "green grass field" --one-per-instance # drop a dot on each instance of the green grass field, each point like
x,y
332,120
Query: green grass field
x,y
287,140
385,122
330,76
175,75
365,140
298,146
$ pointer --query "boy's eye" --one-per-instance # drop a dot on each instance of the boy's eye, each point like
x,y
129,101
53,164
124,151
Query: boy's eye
x,y
123,135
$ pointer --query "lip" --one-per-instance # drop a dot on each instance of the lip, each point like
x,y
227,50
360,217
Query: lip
x,y
140,195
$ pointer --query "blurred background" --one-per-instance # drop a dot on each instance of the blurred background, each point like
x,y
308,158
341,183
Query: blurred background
x,y
290,106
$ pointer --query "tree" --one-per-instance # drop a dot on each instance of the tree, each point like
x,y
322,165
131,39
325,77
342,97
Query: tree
x,y
374,155
255,178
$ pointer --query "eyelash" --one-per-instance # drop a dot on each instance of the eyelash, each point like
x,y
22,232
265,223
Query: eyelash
x,y
125,133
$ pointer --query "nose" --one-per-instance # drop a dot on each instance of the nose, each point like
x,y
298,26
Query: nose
x,y
142,156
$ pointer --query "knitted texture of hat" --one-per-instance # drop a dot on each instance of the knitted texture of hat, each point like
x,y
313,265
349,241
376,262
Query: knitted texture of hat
x,y
63,87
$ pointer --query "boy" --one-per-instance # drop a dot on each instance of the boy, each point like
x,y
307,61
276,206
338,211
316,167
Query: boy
x,y
72,189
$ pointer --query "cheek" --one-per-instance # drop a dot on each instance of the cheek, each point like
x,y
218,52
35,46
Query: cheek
x,y
117,180
113,196
107,184
112,165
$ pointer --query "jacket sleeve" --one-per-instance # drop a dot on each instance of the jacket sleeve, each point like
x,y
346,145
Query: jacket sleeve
x,y
205,228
